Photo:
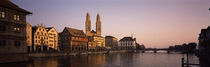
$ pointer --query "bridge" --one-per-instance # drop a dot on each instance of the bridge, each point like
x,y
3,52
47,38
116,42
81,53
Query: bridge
x,y
156,49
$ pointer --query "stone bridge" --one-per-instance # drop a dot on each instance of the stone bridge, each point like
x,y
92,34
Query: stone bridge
x,y
156,49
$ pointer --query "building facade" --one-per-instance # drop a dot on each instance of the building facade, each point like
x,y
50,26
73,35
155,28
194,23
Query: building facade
x,y
12,32
95,40
72,40
29,37
204,47
96,43
128,43
39,39
12,28
111,42
52,38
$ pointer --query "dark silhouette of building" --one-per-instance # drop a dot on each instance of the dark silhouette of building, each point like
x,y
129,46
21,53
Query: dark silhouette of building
x,y
204,47
12,31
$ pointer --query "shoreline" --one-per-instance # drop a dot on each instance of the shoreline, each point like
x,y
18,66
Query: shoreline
x,y
46,54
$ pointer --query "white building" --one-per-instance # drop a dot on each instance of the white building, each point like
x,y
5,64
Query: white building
x,y
128,43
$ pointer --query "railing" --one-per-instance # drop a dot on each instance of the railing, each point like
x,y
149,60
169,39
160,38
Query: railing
x,y
187,63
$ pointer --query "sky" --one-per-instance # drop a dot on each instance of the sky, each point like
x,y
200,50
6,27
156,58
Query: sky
x,y
154,23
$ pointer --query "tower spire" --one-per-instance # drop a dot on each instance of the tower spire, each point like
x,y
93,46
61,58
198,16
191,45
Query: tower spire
x,y
98,25
88,24
98,17
88,16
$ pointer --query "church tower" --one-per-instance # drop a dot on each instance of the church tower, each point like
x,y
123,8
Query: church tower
x,y
98,25
88,25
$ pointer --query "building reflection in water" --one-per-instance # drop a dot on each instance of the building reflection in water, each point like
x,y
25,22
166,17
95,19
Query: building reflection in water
x,y
43,62
119,60
108,60
70,61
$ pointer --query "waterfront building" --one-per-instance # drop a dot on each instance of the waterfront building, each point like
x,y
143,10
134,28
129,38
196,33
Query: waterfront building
x,y
204,47
12,28
39,38
128,43
72,40
12,31
29,37
96,43
111,42
95,40
52,38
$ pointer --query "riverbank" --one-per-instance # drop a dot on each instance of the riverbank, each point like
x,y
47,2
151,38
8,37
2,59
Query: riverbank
x,y
46,54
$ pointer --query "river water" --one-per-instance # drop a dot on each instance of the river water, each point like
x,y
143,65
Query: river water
x,y
109,60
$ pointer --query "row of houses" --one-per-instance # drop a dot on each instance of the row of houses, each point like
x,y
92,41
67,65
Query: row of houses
x,y
40,38
43,39
18,36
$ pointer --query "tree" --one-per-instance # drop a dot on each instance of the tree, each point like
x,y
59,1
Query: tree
x,y
192,47
142,46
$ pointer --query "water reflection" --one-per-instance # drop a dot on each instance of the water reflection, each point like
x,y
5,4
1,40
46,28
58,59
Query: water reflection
x,y
110,60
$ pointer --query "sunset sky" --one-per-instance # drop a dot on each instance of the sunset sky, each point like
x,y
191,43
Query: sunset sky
x,y
155,23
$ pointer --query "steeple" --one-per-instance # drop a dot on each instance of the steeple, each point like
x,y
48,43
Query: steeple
x,y
88,24
98,25
98,17
88,16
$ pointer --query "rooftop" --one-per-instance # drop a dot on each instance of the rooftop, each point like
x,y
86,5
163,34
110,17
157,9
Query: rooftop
x,y
10,5
128,39
75,32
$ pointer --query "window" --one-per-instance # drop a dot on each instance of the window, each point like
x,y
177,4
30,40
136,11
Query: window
x,y
14,17
2,14
51,40
18,18
51,37
16,29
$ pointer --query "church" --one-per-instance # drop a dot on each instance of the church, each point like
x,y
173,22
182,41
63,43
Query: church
x,y
95,40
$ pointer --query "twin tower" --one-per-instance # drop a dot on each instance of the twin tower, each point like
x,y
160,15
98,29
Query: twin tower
x,y
88,26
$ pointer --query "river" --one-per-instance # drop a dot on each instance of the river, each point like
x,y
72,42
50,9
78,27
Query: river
x,y
109,60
